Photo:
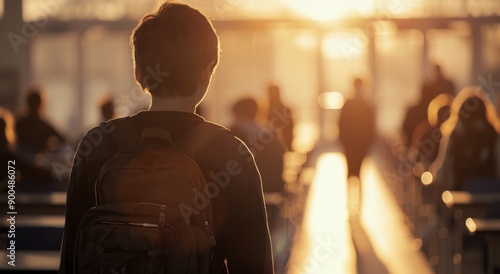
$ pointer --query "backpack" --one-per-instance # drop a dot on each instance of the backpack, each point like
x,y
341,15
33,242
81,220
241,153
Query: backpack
x,y
141,223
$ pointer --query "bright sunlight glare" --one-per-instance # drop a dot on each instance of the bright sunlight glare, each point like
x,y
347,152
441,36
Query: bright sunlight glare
x,y
326,10
325,246
331,100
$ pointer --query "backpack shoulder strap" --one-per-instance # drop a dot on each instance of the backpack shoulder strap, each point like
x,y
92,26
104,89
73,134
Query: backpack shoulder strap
x,y
200,137
124,134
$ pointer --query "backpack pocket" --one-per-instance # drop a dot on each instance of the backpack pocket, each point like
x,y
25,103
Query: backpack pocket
x,y
126,238
131,247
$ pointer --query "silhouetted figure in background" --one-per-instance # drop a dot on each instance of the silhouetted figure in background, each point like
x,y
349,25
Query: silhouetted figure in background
x,y
265,147
427,135
28,176
469,142
417,113
107,107
356,129
357,134
34,134
279,117
440,84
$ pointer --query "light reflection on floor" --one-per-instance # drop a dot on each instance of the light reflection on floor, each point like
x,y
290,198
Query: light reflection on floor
x,y
384,224
325,244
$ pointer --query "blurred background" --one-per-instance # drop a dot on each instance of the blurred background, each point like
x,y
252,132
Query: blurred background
x,y
78,53
80,49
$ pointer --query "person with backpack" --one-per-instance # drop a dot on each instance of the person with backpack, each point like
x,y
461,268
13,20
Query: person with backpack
x,y
165,191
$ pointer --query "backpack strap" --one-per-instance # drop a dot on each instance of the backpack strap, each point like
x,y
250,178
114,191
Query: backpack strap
x,y
124,134
199,138
191,145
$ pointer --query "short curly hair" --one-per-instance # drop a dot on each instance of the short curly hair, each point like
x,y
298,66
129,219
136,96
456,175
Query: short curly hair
x,y
171,47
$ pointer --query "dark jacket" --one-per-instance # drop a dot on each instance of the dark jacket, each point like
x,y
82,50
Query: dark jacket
x,y
240,221
268,152
357,126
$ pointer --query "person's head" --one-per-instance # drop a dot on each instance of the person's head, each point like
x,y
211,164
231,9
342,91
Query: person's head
x,y
7,133
245,109
107,108
175,52
34,99
358,85
470,108
273,91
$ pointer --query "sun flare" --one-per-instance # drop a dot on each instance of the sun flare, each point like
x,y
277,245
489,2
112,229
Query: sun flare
x,y
326,10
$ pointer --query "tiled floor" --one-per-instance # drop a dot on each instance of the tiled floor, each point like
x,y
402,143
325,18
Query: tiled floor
x,y
330,241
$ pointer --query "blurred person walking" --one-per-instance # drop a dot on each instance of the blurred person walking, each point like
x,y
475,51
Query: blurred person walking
x,y
356,133
280,117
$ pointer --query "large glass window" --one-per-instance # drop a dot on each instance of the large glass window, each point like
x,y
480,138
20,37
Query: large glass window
x,y
250,60
452,49
107,72
398,75
54,64
491,47
80,66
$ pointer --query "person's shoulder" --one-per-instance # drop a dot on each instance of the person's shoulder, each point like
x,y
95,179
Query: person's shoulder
x,y
104,128
96,141
22,121
229,150
227,142
233,157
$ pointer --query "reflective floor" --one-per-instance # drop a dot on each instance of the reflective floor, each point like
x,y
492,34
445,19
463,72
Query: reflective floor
x,y
338,237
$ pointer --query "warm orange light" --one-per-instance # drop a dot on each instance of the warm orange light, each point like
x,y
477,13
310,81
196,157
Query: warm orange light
x,y
325,244
305,137
471,226
306,41
447,197
427,178
331,100
343,46
326,10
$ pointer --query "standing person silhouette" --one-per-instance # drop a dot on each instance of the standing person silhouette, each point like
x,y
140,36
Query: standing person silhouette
x,y
175,53
46,137
107,107
32,177
279,117
356,131
417,113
